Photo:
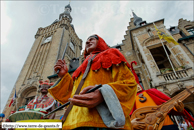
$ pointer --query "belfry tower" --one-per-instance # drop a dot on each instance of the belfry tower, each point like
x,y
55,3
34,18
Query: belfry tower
x,y
49,45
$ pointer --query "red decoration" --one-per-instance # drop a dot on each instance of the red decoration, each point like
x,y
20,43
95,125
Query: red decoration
x,y
105,59
46,82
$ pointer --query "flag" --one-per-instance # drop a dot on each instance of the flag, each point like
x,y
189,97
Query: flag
x,y
165,36
14,96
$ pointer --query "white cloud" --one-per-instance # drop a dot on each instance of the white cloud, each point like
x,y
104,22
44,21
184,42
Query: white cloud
x,y
5,23
187,10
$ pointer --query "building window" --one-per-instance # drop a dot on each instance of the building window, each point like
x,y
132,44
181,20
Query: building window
x,y
182,34
47,39
191,31
172,28
161,58
119,48
149,32
72,46
143,24
28,99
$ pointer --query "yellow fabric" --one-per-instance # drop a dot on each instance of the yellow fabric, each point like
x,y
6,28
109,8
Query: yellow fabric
x,y
150,102
119,78
61,93
165,36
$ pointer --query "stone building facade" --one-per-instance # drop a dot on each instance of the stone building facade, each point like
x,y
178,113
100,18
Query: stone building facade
x,y
141,44
49,45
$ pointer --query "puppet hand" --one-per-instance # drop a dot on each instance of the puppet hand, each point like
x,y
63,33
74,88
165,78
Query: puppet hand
x,y
179,106
137,125
89,100
62,67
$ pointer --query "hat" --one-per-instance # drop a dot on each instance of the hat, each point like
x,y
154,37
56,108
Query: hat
x,y
46,82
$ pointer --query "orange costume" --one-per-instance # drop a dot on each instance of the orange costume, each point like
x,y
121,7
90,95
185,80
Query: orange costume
x,y
110,69
153,97
150,102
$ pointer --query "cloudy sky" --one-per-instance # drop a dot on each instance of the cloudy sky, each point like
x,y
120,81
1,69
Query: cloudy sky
x,y
21,20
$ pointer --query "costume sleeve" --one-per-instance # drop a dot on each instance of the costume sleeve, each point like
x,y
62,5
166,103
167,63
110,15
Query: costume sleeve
x,y
124,86
119,97
62,91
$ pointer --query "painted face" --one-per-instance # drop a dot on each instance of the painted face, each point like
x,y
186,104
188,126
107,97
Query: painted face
x,y
44,88
91,44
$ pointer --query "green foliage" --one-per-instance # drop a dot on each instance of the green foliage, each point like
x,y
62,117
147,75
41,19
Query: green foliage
x,y
190,128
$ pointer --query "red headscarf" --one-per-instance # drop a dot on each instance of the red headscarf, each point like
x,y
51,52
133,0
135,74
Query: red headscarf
x,y
105,59
101,46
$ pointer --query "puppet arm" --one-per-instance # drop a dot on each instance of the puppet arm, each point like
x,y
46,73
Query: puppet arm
x,y
62,91
119,97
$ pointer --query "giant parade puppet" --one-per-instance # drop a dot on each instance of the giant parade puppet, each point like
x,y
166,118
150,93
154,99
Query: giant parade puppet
x,y
37,107
107,107
89,108
152,109
43,102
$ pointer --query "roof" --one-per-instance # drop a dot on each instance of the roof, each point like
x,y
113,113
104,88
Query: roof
x,y
173,30
115,46
68,6
140,27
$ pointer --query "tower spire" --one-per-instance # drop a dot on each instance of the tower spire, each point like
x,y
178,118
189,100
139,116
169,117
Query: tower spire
x,y
137,20
66,13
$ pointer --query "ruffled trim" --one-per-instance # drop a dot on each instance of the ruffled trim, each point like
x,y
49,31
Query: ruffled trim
x,y
104,59
48,104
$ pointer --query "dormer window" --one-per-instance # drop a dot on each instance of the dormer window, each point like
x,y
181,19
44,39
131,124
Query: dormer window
x,y
119,48
142,24
172,29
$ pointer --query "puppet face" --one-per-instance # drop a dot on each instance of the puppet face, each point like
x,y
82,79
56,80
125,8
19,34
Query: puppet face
x,y
91,44
44,88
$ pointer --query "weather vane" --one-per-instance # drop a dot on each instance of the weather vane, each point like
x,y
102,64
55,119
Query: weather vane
x,y
131,11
